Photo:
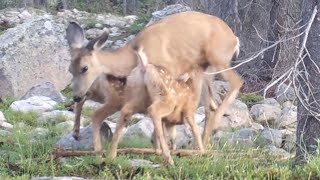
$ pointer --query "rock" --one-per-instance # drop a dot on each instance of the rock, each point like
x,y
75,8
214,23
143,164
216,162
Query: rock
x,y
220,90
290,142
92,104
285,92
57,116
58,178
33,53
114,117
236,116
185,136
243,137
119,43
131,19
2,118
85,142
25,15
265,114
98,25
143,128
93,33
65,127
270,101
5,133
142,163
36,104
171,9
5,125
220,137
269,136
278,152
288,118
46,89
129,38
256,126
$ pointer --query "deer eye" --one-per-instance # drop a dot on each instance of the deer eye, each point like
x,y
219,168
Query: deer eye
x,y
84,69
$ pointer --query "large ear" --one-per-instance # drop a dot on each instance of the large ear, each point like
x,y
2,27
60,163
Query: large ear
x,y
99,42
75,35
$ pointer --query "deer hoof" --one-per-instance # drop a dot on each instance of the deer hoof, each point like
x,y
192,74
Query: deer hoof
x,y
76,136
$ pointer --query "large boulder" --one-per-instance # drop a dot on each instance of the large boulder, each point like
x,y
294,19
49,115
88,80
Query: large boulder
x,y
169,10
47,89
31,54
37,104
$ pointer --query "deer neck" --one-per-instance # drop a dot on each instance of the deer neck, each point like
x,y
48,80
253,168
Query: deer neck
x,y
118,63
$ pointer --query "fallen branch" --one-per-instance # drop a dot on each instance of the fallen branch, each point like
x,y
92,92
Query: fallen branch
x,y
60,152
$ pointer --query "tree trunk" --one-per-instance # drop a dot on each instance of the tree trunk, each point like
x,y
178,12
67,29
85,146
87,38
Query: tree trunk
x,y
308,87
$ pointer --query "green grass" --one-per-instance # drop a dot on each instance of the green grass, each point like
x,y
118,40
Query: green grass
x,y
23,156
250,98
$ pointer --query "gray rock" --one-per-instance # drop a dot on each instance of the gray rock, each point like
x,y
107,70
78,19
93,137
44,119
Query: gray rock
x,y
269,136
57,116
270,101
2,118
275,151
143,128
33,53
284,92
58,178
5,125
131,19
4,133
65,127
92,104
35,104
256,126
46,89
290,142
220,137
288,118
220,90
85,142
98,25
171,9
243,137
236,116
93,33
265,114
142,163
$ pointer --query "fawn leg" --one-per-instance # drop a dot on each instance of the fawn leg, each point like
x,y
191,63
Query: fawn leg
x,y
157,111
195,130
171,129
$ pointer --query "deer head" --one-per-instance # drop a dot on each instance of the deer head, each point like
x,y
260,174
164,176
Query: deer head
x,y
84,67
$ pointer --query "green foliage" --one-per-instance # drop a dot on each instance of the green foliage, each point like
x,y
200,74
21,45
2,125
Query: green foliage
x,y
138,25
89,22
250,98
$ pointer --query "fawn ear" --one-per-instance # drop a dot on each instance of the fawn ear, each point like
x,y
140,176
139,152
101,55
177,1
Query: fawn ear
x,y
75,36
99,42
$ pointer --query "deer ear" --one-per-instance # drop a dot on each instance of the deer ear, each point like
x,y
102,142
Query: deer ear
x,y
98,43
75,36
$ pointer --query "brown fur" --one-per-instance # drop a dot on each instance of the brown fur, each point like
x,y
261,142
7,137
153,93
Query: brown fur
x,y
180,43
172,102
